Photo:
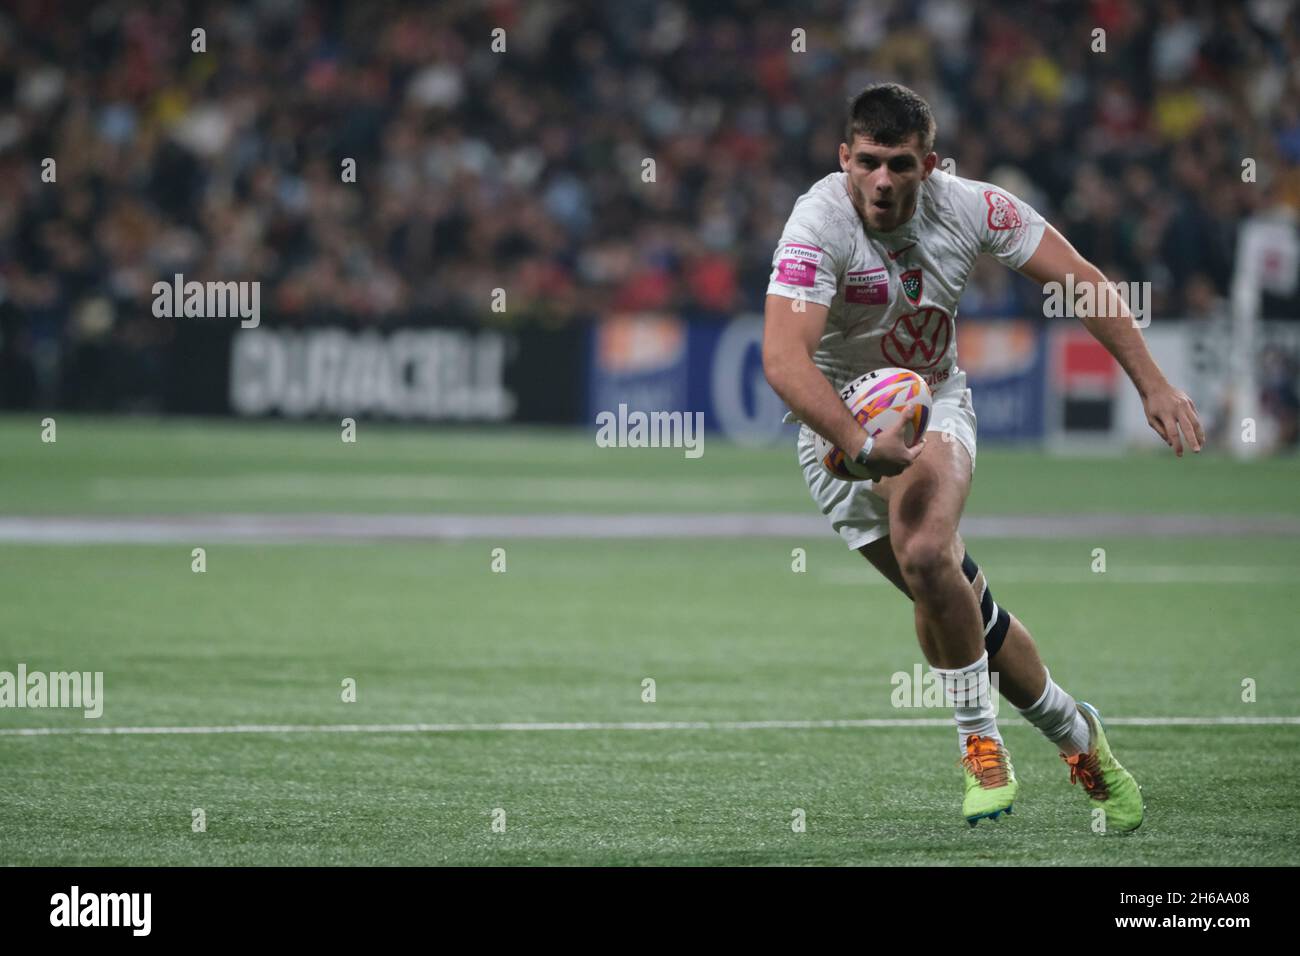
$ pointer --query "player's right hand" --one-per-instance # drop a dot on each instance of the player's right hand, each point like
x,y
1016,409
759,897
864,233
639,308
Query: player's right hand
x,y
891,454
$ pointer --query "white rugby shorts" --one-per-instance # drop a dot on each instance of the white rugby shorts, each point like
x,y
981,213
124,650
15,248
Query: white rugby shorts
x,y
856,512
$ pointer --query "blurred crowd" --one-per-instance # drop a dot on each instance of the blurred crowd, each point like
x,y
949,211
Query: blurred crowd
x,y
516,160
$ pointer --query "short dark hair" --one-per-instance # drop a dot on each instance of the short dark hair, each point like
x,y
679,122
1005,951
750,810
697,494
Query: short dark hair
x,y
890,113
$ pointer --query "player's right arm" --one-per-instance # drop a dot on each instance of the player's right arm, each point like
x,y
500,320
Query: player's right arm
x,y
792,329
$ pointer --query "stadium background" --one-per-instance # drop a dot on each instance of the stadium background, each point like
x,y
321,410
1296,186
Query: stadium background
x,y
522,171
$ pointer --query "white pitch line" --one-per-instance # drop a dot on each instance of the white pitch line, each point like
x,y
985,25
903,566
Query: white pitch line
x,y
872,723
307,526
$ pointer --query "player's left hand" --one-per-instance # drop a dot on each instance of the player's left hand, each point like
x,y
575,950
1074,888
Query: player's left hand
x,y
1168,410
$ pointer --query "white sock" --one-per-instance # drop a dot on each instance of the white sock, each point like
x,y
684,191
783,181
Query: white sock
x,y
1056,715
969,692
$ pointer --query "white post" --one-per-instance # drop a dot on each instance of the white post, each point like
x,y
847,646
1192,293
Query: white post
x,y
1245,317
1268,257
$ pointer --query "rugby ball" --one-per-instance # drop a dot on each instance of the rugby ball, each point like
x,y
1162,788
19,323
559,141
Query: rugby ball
x,y
878,400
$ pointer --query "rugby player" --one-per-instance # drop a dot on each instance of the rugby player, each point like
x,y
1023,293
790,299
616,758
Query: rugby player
x,y
867,275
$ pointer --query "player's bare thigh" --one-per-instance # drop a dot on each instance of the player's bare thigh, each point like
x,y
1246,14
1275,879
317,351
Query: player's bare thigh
x,y
926,501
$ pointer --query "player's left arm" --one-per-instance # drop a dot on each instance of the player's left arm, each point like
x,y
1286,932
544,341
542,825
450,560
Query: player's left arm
x,y
1168,409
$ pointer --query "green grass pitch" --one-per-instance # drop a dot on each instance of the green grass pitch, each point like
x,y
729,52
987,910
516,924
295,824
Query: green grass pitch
x,y
724,627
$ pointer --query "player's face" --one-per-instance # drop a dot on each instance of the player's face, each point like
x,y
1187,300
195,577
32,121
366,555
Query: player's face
x,y
883,180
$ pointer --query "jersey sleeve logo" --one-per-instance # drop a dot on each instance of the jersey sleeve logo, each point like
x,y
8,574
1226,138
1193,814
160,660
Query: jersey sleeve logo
x,y
797,264
1002,211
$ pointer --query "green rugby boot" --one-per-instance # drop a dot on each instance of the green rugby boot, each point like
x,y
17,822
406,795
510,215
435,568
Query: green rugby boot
x,y
1104,780
990,780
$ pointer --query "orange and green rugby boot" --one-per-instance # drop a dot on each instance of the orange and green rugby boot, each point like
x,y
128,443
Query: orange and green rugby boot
x,y
991,783
1104,780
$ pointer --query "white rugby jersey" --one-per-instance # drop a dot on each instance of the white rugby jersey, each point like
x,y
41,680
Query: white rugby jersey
x,y
893,295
